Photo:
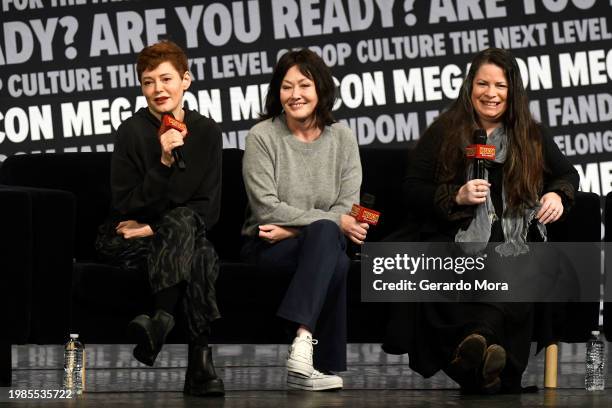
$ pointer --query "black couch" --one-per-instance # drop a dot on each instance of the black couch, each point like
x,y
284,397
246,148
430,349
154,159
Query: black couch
x,y
54,203
607,310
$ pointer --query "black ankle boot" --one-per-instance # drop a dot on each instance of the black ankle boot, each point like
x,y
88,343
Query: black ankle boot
x,y
149,335
201,378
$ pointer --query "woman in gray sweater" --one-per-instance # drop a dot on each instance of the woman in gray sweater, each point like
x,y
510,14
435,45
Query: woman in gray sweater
x,y
302,174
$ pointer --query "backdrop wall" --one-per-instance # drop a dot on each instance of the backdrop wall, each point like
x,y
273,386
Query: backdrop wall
x,y
67,74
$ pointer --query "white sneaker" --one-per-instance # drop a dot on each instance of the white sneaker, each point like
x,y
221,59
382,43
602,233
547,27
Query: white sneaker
x,y
316,382
299,360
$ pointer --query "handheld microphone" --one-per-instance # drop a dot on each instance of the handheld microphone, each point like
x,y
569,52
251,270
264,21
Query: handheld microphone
x,y
364,214
480,151
168,122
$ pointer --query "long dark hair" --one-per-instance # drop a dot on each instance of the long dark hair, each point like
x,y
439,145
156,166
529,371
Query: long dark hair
x,y
524,168
313,67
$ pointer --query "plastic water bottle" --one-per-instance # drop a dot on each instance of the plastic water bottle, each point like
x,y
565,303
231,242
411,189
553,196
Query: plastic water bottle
x,y
74,354
594,379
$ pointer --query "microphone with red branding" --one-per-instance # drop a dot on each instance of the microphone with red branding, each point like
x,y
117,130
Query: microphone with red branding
x,y
168,122
363,212
480,151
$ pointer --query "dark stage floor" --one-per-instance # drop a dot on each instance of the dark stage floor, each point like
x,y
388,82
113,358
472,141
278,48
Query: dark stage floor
x,y
254,377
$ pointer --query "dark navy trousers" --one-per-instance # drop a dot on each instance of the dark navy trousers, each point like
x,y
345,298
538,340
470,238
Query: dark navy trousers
x,y
316,296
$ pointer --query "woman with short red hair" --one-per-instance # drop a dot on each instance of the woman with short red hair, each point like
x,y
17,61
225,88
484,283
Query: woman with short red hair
x,y
161,212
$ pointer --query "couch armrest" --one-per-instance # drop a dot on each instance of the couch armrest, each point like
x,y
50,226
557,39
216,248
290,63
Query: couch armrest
x,y
16,261
607,309
583,224
49,223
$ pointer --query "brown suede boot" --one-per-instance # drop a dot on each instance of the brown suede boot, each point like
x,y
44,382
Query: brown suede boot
x,y
494,363
465,366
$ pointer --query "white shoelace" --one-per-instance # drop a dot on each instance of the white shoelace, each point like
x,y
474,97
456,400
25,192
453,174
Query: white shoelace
x,y
308,340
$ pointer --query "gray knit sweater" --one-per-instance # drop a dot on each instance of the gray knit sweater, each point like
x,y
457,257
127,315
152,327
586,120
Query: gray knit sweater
x,y
294,183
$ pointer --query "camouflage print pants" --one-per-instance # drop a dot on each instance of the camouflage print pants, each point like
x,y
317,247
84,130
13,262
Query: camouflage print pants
x,y
177,252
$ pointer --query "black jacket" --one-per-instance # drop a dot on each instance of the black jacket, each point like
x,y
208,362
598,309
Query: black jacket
x,y
143,188
436,214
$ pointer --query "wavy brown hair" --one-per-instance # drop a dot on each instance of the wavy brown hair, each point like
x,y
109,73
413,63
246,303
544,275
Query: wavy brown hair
x,y
313,67
524,168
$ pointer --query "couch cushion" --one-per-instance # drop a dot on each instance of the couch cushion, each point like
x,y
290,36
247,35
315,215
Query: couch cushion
x,y
225,235
383,176
583,222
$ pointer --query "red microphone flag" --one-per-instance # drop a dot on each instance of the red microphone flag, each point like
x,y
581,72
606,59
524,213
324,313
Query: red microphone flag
x,y
168,122
363,214
480,151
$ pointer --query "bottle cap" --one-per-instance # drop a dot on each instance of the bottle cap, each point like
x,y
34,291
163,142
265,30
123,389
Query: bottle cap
x,y
595,332
74,335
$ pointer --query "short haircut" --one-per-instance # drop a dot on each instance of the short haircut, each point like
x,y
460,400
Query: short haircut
x,y
150,57
313,67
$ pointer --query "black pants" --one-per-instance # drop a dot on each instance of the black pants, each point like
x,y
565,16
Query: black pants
x,y
177,252
316,296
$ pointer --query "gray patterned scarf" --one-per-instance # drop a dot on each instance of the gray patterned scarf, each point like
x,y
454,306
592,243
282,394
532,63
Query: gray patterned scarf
x,y
475,238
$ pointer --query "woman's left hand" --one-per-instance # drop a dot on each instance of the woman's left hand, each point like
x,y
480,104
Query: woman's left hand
x,y
133,229
356,231
552,208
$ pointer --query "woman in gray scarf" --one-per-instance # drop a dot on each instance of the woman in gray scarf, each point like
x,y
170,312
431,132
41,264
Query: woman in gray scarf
x,y
482,346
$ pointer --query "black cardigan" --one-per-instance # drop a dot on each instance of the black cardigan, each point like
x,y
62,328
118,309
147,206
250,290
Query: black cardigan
x,y
143,188
437,215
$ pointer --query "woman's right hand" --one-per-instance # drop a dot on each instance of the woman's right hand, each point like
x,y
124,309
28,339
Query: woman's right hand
x,y
274,233
133,229
473,192
169,140
356,231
